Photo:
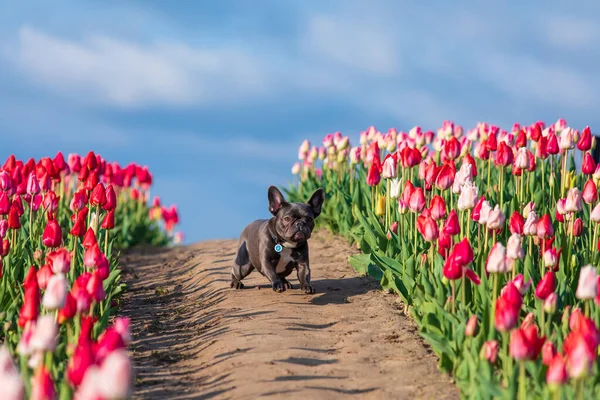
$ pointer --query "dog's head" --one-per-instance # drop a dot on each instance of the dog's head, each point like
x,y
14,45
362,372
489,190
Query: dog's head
x,y
294,222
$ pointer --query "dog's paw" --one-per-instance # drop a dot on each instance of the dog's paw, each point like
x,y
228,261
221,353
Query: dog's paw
x,y
236,284
278,287
308,289
287,284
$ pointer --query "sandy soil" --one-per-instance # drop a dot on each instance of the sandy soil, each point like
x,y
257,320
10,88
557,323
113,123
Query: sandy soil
x,y
195,338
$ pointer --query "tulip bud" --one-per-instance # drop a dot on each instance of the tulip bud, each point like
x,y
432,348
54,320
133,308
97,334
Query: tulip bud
x,y
489,351
550,303
471,326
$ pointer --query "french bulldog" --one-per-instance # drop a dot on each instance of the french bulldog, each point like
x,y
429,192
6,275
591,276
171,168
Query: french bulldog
x,y
277,246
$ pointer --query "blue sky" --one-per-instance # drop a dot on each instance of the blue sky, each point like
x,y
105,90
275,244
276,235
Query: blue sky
x,y
215,96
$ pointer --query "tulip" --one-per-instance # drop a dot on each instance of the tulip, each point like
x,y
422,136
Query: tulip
x,y
476,213
394,188
42,387
89,239
402,207
379,207
587,287
463,176
468,196
521,285
445,177
463,253
551,258
471,326
489,351
33,185
10,379
550,303
588,165
514,250
94,287
117,370
522,159
59,260
579,355
496,261
407,192
56,292
546,286
108,341
506,315
79,200
389,168
14,222
438,208
585,140
573,203
373,175
590,192
484,212
452,225
577,227
69,310
504,155
552,146
566,139
428,228
81,360
4,203
109,220
495,218
453,269
45,335
525,344
557,373
545,229
417,200
52,236
43,276
516,223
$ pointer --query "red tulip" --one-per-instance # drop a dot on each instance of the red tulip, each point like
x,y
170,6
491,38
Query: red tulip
x,y
468,159
553,147
111,199
546,286
428,228
590,192
109,341
94,287
417,200
452,270
80,361
525,344
517,223
452,149
52,236
98,196
548,353
4,248
588,165
407,192
410,157
42,386
4,204
431,173
521,139
59,260
504,155
438,208
508,306
557,373
585,139
374,174
491,144
43,276
577,227
477,209
92,256
14,222
31,305
452,226
532,164
463,252
109,220
69,309
545,229
580,355
79,200
445,177
89,239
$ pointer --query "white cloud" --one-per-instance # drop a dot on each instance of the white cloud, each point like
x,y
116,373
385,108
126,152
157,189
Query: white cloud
x,y
107,70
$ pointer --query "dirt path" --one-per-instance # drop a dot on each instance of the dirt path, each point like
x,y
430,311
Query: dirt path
x,y
194,338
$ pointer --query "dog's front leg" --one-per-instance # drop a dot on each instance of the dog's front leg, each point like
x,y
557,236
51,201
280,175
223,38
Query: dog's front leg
x,y
268,270
304,277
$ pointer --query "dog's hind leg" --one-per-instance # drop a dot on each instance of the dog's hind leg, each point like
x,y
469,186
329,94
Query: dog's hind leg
x,y
241,267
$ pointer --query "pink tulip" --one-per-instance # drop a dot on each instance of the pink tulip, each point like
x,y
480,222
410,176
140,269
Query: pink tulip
x,y
514,250
42,387
33,185
573,203
10,378
44,336
550,303
495,218
116,369
496,262
389,168
489,351
60,260
468,197
417,201
557,373
587,287
471,326
521,285
56,293
531,223
548,353
590,192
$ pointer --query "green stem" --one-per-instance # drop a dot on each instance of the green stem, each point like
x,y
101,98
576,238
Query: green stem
x,y
522,381
453,285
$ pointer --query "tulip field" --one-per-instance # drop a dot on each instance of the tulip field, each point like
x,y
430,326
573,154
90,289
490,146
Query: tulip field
x,y
491,239
62,224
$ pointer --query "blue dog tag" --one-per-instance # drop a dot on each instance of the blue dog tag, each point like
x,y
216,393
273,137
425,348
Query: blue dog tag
x,y
278,248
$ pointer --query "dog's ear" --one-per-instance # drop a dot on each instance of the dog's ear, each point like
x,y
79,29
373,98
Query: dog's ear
x,y
316,201
276,200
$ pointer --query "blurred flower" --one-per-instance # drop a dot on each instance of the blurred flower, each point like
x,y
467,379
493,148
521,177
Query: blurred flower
x,y
587,287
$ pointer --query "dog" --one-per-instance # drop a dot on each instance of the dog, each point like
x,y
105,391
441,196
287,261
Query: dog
x,y
277,246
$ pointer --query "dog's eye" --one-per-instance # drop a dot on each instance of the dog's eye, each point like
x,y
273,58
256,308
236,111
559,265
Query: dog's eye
x,y
286,219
